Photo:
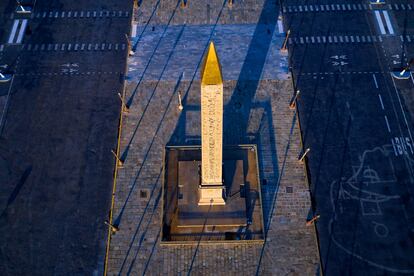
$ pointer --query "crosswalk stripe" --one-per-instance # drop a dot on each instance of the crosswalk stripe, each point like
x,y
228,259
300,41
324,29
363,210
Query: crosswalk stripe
x,y
388,22
379,21
13,31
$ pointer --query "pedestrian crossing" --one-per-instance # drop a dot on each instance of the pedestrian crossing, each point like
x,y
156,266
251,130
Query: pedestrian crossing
x,y
343,7
81,14
327,73
17,32
335,39
74,47
50,74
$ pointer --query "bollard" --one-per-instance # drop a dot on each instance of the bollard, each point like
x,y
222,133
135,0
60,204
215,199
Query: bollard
x,y
313,220
284,47
114,228
180,104
292,103
120,162
302,157
125,108
183,4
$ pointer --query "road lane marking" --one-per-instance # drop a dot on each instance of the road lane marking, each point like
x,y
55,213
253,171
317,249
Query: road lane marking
x,y
379,21
279,25
401,145
13,31
402,109
19,28
376,83
22,31
382,104
388,125
388,22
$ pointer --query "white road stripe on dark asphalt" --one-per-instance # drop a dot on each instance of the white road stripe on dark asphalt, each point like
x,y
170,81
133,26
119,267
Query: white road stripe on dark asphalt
x,y
21,32
388,125
13,31
380,99
379,21
375,81
388,22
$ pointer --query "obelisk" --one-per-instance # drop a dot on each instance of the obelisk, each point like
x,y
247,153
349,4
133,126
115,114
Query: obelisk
x,y
211,188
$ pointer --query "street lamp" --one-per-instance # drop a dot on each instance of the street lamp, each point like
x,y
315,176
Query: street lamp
x,y
405,73
377,2
5,77
25,9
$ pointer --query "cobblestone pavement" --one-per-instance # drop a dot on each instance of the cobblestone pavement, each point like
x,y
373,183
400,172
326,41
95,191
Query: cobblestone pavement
x,y
256,111
156,121
182,47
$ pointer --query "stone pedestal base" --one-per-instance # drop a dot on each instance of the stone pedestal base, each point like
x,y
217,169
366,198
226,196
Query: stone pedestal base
x,y
209,194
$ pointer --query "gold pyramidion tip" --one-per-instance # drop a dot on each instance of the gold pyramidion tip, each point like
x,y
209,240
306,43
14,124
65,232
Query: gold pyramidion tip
x,y
211,70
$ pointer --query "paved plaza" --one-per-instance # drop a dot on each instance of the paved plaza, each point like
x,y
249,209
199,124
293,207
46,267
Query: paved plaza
x,y
257,92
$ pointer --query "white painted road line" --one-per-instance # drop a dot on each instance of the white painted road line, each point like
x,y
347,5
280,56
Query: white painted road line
x,y
22,30
376,83
379,21
134,29
279,25
388,125
19,28
13,31
402,109
382,104
388,22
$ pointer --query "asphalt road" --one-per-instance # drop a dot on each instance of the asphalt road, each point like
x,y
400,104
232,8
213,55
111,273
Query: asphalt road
x,y
59,123
358,123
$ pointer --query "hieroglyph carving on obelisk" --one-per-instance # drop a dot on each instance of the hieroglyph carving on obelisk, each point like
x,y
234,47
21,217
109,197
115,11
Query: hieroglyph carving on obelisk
x,y
211,129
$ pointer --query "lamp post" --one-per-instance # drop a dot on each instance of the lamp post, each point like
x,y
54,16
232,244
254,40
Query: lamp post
x,y
23,8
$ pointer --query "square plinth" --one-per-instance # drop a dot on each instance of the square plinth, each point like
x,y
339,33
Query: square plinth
x,y
238,218
213,195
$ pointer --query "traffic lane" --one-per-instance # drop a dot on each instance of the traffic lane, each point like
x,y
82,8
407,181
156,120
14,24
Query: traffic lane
x,y
334,57
409,50
366,167
364,5
38,62
64,31
355,101
70,176
399,115
7,7
404,20
355,222
46,5
327,23
364,106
